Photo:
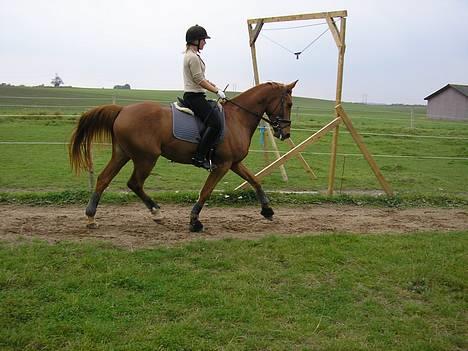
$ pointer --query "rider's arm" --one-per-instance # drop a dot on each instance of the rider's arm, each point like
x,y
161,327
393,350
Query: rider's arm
x,y
208,86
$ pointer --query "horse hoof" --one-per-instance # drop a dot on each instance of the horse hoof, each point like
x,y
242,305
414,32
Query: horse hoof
x,y
268,213
196,226
157,215
92,226
91,223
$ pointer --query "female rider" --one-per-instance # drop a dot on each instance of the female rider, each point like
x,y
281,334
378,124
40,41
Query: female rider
x,y
195,86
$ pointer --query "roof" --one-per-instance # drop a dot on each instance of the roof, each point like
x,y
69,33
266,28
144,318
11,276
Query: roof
x,y
462,89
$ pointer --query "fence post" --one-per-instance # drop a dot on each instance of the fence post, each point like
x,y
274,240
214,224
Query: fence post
x,y
412,118
91,177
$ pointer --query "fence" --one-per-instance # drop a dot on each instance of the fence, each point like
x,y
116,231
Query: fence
x,y
402,116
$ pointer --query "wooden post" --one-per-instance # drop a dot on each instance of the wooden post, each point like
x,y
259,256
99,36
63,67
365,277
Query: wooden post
x,y
253,35
339,37
91,176
367,155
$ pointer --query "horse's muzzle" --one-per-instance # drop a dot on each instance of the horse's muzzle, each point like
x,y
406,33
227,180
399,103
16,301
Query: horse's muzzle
x,y
280,135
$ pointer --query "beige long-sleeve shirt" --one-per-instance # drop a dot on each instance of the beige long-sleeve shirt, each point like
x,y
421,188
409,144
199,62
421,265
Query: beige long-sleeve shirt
x,y
194,72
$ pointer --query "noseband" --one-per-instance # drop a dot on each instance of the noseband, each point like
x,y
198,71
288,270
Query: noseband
x,y
278,122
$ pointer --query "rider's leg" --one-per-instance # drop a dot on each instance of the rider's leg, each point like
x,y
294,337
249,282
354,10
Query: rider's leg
x,y
204,145
211,118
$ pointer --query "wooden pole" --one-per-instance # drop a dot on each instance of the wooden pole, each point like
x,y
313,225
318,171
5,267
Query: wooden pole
x,y
91,176
253,34
308,16
339,37
367,155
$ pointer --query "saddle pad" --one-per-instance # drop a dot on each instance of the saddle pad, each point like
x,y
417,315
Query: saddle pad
x,y
188,128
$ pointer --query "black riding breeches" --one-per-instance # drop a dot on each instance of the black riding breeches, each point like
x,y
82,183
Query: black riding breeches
x,y
198,104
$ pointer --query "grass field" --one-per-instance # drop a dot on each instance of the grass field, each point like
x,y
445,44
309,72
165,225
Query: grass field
x,y
416,155
315,292
328,292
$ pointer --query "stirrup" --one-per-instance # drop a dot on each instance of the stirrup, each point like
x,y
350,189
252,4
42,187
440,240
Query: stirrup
x,y
206,164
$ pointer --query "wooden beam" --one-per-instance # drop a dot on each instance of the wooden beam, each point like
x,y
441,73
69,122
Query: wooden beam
x,y
271,138
303,17
272,141
367,155
332,165
334,31
339,91
293,152
255,32
341,55
253,52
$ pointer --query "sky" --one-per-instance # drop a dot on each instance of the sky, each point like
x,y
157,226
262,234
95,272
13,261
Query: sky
x,y
396,51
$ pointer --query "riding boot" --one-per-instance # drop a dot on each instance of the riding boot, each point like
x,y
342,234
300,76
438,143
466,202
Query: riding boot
x,y
204,145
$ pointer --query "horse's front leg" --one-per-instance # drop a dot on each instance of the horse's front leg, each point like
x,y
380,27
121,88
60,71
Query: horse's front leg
x,y
247,175
213,179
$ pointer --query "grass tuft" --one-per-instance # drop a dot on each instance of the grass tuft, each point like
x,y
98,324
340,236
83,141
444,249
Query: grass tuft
x,y
236,199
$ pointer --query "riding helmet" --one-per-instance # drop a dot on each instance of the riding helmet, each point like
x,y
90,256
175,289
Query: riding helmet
x,y
196,32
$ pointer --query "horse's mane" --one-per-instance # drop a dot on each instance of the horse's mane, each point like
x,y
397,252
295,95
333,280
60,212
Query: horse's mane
x,y
258,87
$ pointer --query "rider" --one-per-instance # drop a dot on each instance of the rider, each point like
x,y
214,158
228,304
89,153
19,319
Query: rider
x,y
195,86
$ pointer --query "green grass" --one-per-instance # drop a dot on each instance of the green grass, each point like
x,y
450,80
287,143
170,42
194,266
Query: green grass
x,y
237,198
326,292
44,167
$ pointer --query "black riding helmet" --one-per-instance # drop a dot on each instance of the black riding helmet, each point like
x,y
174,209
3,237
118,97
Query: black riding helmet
x,y
194,33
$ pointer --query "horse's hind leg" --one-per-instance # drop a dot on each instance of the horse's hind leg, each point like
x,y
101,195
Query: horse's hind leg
x,y
247,175
215,176
117,161
141,171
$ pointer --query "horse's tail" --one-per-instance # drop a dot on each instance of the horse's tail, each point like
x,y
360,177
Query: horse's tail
x,y
94,125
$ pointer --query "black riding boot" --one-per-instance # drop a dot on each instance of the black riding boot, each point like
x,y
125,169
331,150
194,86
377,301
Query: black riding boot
x,y
204,145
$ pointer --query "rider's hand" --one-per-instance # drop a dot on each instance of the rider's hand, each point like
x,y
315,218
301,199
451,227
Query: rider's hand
x,y
221,94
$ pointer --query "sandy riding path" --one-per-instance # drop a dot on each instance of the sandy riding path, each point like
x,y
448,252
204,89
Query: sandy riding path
x,y
131,225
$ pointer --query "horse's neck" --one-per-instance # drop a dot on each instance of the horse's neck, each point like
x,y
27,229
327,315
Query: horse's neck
x,y
254,101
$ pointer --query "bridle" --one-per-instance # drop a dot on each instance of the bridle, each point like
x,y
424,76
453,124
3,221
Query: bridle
x,y
277,122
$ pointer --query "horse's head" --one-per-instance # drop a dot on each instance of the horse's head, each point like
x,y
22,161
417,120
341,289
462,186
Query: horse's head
x,y
278,110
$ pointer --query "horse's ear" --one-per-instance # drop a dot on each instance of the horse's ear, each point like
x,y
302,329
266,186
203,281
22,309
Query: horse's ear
x,y
291,86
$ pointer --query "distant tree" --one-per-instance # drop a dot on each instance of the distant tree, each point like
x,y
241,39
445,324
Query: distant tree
x,y
57,81
125,86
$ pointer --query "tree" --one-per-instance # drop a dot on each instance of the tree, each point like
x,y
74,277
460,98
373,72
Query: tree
x,y
57,81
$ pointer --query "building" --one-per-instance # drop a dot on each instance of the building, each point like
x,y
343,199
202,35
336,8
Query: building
x,y
449,102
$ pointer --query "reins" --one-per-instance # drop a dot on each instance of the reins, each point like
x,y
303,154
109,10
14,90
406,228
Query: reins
x,y
275,123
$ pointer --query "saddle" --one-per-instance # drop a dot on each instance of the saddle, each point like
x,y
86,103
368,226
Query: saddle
x,y
188,127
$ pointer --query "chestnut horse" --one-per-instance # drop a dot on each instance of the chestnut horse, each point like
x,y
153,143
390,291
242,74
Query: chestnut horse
x,y
142,132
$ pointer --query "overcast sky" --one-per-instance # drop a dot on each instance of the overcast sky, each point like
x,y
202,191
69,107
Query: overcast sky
x,y
397,51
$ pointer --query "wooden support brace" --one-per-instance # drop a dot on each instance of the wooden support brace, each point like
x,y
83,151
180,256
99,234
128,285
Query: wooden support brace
x,y
332,166
335,32
367,155
293,152
272,141
255,32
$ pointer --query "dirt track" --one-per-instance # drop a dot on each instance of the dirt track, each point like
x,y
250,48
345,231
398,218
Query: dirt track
x,y
131,225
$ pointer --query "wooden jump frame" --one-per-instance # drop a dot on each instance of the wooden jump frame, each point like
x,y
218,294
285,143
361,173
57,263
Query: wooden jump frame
x,y
340,114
